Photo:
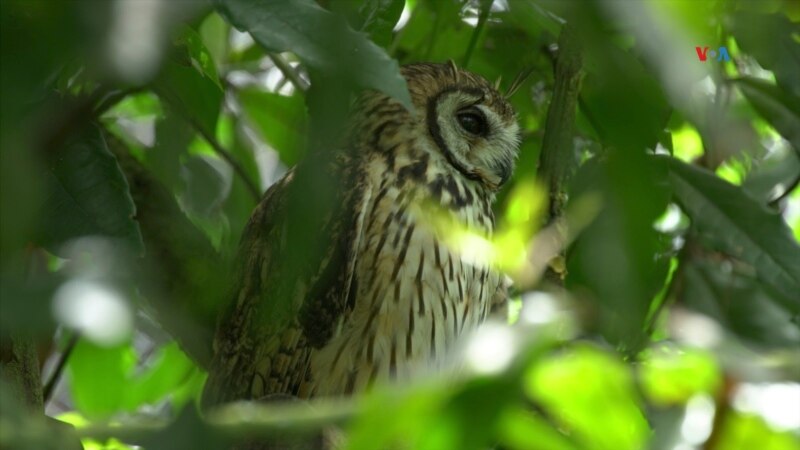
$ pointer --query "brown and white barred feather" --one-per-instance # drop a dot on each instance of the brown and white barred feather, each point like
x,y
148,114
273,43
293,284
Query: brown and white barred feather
x,y
387,299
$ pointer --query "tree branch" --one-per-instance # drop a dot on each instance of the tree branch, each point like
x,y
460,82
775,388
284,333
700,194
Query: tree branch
x,y
184,277
558,159
19,368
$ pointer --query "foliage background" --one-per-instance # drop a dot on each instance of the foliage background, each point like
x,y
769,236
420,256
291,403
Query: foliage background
x,y
137,136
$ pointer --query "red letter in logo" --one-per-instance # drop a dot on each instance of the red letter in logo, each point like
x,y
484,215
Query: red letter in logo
x,y
701,53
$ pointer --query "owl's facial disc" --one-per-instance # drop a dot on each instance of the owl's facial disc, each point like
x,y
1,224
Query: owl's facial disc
x,y
477,140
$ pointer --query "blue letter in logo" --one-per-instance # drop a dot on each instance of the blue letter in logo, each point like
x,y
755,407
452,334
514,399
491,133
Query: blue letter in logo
x,y
723,54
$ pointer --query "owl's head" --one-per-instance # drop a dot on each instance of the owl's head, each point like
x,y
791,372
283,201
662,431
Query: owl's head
x,y
469,121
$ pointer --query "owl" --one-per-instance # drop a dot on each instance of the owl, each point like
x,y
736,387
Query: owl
x,y
380,296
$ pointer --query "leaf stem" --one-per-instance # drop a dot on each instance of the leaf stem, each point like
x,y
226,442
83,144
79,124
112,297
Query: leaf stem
x,y
227,156
288,72
50,386
224,154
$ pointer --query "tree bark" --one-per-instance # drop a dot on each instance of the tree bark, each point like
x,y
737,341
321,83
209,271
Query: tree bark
x,y
19,368
558,159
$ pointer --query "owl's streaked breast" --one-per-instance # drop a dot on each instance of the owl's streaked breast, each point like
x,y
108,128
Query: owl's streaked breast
x,y
414,296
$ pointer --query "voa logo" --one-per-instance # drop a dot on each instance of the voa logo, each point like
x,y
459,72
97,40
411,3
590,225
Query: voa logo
x,y
721,54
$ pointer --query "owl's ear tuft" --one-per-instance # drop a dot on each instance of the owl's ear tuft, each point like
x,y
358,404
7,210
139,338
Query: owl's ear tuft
x,y
517,83
454,69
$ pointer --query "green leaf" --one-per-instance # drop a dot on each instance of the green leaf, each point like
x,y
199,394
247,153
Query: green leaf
x,y
87,194
173,135
189,82
737,300
99,377
774,175
281,120
207,183
379,19
170,370
619,260
521,429
780,108
731,221
625,101
215,33
323,41
435,32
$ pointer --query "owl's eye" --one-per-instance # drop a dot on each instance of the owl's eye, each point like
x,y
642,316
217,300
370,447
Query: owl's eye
x,y
473,122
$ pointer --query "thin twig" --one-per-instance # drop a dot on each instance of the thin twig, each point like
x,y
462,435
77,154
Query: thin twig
x,y
266,421
227,156
288,71
223,153
486,7
111,98
50,386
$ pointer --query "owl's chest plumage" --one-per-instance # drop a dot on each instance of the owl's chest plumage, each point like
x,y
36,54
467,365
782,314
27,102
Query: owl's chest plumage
x,y
413,295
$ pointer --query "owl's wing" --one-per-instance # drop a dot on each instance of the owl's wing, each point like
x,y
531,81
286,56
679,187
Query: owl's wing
x,y
295,272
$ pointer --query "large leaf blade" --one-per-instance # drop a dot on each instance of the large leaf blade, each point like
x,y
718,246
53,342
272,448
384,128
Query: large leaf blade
x,y
190,84
87,195
780,108
281,120
322,40
731,221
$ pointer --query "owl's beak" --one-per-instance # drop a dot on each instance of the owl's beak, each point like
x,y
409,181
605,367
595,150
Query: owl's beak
x,y
503,171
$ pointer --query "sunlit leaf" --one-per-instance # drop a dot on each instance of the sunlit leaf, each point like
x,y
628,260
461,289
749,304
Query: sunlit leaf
x,y
100,396
520,429
747,431
170,369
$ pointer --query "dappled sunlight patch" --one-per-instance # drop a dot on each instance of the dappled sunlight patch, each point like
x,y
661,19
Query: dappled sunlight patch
x,y
592,395
671,375
687,143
